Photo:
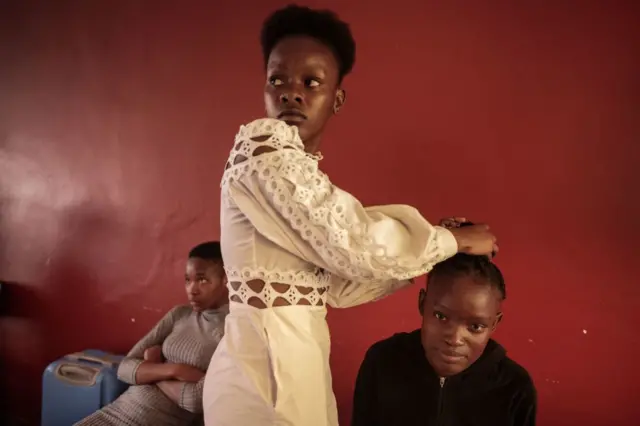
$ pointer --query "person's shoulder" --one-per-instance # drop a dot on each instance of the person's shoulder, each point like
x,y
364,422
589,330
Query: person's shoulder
x,y
261,128
262,123
517,374
395,346
180,311
262,137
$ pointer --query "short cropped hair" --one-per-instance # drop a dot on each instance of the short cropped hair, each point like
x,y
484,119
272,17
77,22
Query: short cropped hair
x,y
322,25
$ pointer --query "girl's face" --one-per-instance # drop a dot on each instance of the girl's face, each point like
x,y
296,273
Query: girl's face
x,y
459,316
302,86
205,283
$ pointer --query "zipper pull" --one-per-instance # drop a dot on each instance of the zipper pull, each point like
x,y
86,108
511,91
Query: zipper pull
x,y
442,379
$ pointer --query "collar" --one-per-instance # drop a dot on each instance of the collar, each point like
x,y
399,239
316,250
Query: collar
x,y
209,314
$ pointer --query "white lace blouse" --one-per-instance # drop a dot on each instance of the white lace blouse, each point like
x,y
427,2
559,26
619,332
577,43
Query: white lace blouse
x,y
282,221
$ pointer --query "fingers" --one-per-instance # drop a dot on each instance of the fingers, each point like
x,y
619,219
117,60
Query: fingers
x,y
153,354
452,222
447,223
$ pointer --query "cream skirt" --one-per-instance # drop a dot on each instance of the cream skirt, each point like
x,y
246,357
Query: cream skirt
x,y
271,368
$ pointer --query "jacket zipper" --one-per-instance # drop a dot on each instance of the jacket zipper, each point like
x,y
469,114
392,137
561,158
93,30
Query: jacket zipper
x,y
440,421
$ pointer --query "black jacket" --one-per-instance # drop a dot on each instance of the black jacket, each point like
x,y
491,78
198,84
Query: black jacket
x,y
396,386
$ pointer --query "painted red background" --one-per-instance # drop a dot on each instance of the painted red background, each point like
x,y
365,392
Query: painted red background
x,y
116,118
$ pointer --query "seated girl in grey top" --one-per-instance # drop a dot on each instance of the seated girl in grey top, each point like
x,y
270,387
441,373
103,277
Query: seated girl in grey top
x,y
166,368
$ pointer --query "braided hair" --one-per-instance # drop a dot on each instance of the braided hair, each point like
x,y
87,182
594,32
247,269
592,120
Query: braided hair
x,y
478,267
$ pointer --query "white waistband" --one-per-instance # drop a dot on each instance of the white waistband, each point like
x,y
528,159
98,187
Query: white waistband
x,y
315,279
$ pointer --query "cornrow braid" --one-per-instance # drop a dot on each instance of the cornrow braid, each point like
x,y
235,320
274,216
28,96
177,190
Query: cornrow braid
x,y
478,267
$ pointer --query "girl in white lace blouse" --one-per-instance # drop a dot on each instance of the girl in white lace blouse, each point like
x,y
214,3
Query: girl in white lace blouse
x,y
293,243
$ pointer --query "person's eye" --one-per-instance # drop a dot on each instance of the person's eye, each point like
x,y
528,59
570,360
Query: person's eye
x,y
275,81
477,328
439,315
312,82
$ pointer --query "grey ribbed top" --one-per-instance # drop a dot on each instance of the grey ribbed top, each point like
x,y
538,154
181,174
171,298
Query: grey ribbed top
x,y
187,337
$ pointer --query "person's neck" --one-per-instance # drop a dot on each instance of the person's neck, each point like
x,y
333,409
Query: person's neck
x,y
217,306
312,145
214,311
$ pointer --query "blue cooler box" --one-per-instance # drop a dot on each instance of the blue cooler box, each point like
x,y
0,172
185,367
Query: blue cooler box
x,y
78,385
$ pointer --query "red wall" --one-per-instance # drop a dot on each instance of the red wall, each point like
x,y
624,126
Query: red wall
x,y
115,122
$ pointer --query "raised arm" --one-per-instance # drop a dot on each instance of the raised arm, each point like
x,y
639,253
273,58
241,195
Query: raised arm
x,y
134,369
290,201
345,293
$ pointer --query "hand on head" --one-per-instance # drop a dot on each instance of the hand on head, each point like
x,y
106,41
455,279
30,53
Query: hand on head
x,y
452,222
472,239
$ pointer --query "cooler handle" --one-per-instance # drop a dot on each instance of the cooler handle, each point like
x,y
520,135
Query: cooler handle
x,y
79,356
77,375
